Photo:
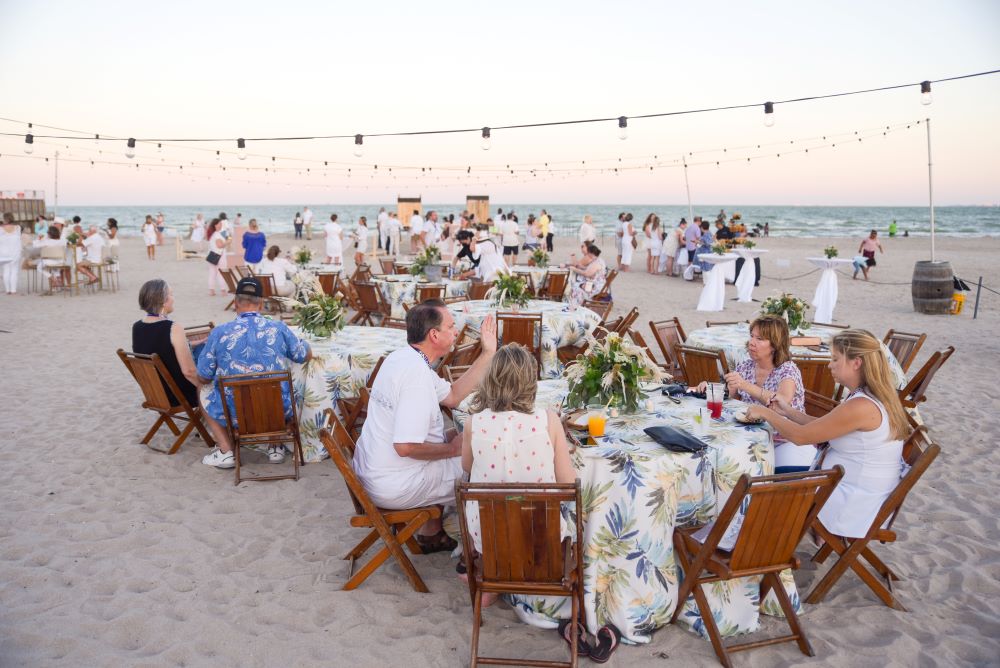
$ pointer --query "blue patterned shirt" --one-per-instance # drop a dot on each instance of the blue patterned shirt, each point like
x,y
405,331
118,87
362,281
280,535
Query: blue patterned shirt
x,y
249,344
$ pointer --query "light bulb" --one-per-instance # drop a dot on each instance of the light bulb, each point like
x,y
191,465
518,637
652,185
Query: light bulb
x,y
29,143
218,156
769,114
130,149
159,149
486,143
925,92
241,149
97,141
622,128
359,148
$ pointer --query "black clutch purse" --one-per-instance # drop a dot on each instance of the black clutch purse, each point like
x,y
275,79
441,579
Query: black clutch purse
x,y
675,440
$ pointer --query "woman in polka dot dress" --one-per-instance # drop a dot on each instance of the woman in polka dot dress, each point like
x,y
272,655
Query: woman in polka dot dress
x,y
508,439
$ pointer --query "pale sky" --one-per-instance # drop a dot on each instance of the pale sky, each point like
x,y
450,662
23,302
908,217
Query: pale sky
x,y
232,69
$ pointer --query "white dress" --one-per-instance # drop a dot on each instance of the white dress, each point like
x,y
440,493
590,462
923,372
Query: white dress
x,y
627,244
10,258
198,230
334,244
491,262
149,234
655,242
508,447
872,463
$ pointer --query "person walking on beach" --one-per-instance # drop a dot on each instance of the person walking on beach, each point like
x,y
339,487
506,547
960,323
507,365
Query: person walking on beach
x,y
160,227
297,224
392,234
587,232
149,237
416,232
546,223
618,237
628,243
892,229
334,241
307,221
360,241
767,229
380,225
218,243
653,243
867,249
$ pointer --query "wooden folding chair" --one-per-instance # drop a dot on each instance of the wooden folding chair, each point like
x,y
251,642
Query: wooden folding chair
x,y
270,292
387,264
460,358
638,340
523,328
362,274
780,509
329,281
230,278
915,391
918,453
242,271
668,334
602,309
198,334
818,405
605,293
370,303
478,290
402,268
702,365
904,346
816,376
355,409
554,285
523,551
425,291
529,279
155,381
257,416
394,528
63,271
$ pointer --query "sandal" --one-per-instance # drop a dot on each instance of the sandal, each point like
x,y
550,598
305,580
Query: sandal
x,y
608,639
582,646
439,542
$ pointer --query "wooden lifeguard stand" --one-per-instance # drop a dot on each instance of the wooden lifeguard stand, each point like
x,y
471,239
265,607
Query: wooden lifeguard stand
x,y
405,206
24,205
480,206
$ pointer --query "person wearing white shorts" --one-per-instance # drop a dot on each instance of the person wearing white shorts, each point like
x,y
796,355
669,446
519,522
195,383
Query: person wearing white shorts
x,y
404,457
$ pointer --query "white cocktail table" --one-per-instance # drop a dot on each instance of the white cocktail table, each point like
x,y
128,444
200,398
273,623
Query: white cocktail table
x,y
713,295
748,275
825,298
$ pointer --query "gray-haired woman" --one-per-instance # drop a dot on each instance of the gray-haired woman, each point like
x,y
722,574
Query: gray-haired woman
x,y
154,333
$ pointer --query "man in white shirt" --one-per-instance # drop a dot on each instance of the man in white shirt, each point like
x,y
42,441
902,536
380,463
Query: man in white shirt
x,y
307,220
587,231
92,245
392,234
404,458
417,240
380,224
509,240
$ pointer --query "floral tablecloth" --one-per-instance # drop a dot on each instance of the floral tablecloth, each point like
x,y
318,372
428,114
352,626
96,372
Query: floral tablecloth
x,y
562,325
732,340
399,290
340,367
634,493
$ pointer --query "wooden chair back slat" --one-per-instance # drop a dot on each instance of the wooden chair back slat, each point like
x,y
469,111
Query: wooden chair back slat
x,y
427,291
720,323
816,376
388,265
257,401
669,334
242,271
915,391
818,405
523,328
702,365
602,309
554,284
146,371
904,346
197,334
362,274
627,321
230,279
341,451
478,290
529,279
605,292
329,281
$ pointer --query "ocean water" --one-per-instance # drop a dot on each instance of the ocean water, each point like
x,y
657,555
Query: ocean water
x,y
796,221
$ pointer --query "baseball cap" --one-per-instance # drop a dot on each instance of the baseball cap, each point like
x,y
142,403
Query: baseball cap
x,y
250,287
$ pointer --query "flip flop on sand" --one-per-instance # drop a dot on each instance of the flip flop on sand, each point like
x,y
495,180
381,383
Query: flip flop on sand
x,y
582,646
439,542
608,639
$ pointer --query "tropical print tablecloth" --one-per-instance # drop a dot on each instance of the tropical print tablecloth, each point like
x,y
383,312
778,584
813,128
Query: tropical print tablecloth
x,y
634,493
399,290
732,340
562,325
339,368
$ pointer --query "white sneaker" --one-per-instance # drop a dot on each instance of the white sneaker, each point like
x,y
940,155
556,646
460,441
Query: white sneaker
x,y
219,459
276,454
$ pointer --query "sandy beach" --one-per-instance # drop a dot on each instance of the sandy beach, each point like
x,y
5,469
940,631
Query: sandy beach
x,y
111,554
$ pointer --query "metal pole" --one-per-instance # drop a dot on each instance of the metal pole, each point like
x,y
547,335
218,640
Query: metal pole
x,y
55,201
930,189
687,188
979,288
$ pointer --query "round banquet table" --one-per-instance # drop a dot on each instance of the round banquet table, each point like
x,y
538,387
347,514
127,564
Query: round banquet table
x,y
562,325
713,295
636,492
340,366
732,340
825,298
400,289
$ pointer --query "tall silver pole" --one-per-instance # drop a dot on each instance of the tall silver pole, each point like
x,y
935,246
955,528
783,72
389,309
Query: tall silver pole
x,y
55,200
687,187
930,188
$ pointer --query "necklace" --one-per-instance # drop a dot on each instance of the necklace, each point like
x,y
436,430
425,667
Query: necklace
x,y
421,352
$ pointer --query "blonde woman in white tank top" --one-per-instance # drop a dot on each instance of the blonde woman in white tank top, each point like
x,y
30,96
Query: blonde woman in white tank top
x,y
865,432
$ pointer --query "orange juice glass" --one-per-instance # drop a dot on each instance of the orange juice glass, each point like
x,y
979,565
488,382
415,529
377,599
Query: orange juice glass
x,y
596,420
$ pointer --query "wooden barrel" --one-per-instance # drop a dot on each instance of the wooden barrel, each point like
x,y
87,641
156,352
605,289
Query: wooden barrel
x,y
932,287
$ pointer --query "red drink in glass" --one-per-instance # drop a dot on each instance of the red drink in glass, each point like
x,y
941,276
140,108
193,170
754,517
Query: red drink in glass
x,y
715,408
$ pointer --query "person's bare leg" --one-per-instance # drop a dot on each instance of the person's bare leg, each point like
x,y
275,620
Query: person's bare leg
x,y
219,433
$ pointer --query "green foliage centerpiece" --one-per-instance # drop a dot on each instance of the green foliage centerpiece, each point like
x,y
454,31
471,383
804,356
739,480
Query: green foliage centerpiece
x,y
788,306
611,372
509,290
749,243
428,258
301,255
317,313
720,249
831,252
540,257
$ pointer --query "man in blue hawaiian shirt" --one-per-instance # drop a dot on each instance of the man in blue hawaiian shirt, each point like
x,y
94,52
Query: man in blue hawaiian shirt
x,y
249,344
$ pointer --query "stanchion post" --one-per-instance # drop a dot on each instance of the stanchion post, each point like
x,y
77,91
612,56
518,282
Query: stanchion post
x,y
979,288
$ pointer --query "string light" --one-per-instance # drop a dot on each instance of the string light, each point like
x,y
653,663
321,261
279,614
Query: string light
x,y
159,149
359,149
130,148
486,143
29,143
241,149
925,92
622,128
769,114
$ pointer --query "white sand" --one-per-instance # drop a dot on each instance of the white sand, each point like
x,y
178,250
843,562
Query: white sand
x,y
112,555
